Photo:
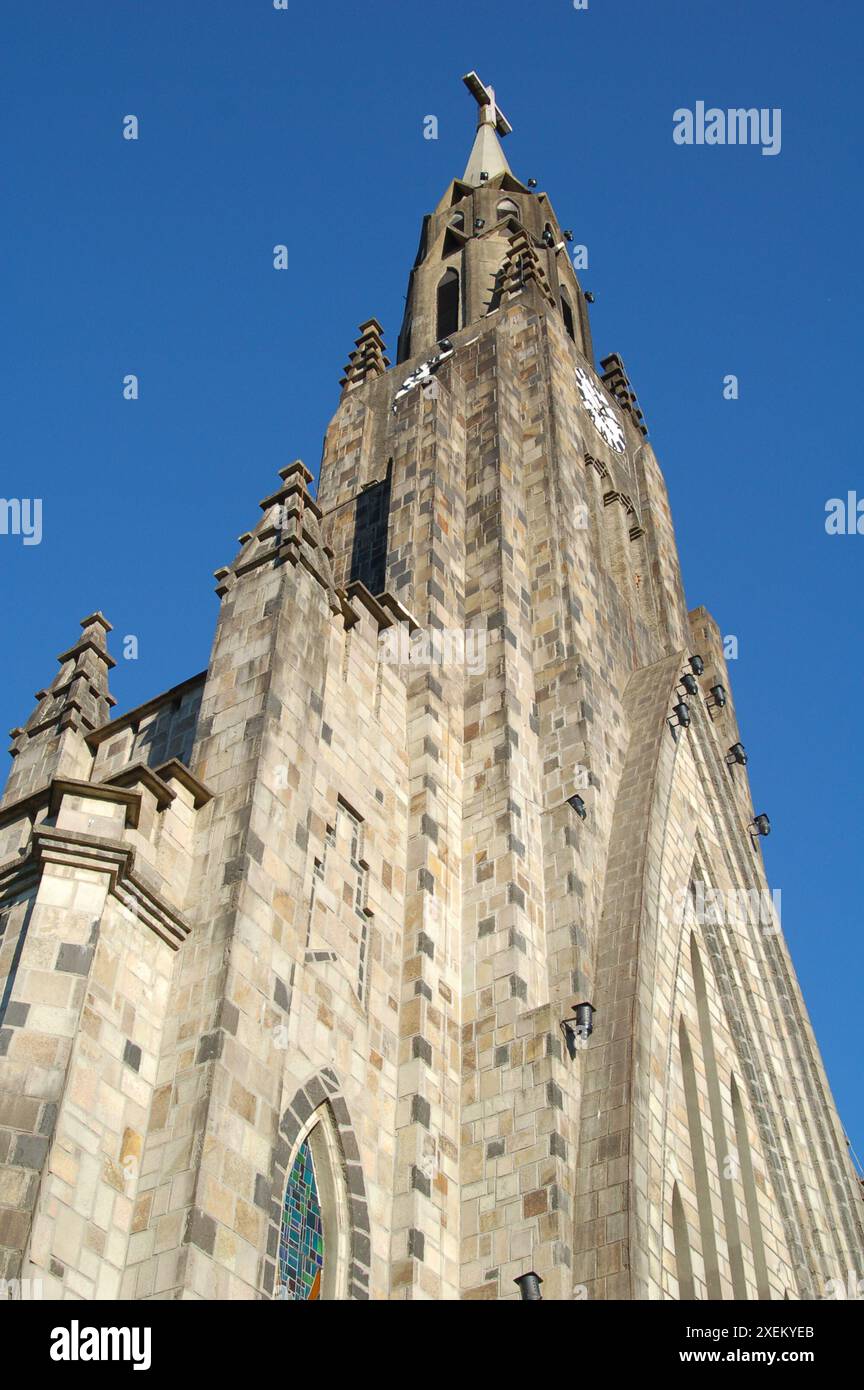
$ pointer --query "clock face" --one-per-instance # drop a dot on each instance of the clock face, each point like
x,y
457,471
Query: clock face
x,y
603,416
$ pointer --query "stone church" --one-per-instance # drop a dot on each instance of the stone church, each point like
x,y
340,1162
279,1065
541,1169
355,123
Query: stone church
x,y
394,955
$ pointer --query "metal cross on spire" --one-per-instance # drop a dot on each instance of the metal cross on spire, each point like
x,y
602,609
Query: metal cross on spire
x,y
489,112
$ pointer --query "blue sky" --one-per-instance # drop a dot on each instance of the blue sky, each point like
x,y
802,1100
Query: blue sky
x,y
305,127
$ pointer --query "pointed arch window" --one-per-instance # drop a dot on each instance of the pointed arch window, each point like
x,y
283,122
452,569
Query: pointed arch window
x,y
301,1238
507,208
458,221
448,305
567,315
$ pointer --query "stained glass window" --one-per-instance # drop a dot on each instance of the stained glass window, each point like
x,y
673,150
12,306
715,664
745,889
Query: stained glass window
x,y
301,1240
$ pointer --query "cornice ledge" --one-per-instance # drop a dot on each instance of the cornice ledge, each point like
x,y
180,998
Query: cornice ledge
x,y
116,859
201,793
25,807
96,791
17,876
140,773
385,609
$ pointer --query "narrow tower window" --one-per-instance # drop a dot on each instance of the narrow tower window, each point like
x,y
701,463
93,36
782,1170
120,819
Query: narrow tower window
x,y
683,1257
301,1239
448,305
458,220
751,1193
567,315
700,1166
507,208
718,1123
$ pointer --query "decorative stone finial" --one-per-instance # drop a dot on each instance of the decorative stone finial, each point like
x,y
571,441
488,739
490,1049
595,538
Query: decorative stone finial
x,y
289,532
78,698
367,359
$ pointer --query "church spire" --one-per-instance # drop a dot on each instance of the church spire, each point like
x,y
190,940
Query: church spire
x,y
487,157
491,239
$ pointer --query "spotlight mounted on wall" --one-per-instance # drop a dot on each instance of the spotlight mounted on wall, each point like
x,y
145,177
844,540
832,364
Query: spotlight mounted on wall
x,y
759,825
568,234
681,711
479,222
578,806
578,1029
718,697
737,754
589,298
484,177
585,1020
690,683
529,1287
532,183
697,665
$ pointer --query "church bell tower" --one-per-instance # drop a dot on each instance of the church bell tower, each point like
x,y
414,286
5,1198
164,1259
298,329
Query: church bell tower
x,y
572,808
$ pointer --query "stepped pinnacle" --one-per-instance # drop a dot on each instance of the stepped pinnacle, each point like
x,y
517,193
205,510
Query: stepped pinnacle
x,y
52,742
368,358
78,697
